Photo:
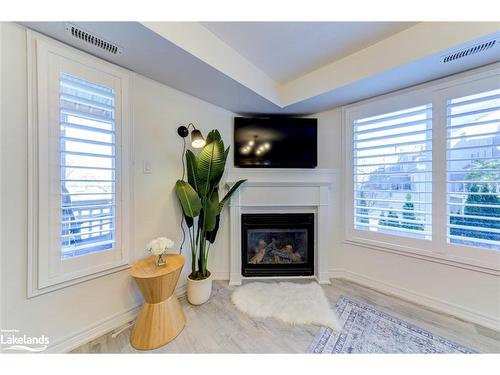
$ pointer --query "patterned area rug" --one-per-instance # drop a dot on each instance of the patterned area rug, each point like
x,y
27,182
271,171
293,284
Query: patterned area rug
x,y
368,330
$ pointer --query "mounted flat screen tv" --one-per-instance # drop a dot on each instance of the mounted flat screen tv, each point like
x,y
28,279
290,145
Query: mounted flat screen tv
x,y
275,142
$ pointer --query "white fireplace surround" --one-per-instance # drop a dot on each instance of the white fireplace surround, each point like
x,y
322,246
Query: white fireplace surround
x,y
283,191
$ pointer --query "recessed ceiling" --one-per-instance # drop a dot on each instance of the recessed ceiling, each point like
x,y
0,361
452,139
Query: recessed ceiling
x,y
288,67
287,50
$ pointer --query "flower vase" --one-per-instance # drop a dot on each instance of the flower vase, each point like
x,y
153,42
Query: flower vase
x,y
160,261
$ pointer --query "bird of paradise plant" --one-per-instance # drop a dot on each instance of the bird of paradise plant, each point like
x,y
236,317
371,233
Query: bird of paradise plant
x,y
199,198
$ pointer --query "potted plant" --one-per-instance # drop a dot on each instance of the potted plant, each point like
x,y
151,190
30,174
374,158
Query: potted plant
x,y
199,198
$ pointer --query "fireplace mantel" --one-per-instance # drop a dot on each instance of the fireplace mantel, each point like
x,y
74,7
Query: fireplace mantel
x,y
283,191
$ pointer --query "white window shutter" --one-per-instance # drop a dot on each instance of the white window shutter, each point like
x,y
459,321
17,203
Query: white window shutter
x,y
473,170
87,141
392,172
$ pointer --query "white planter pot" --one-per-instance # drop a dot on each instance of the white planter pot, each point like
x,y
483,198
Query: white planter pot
x,y
198,291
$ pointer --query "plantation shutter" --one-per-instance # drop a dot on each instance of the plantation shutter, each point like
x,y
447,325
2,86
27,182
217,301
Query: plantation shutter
x,y
473,170
392,167
88,158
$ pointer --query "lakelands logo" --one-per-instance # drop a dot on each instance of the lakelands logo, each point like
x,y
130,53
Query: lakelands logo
x,y
13,340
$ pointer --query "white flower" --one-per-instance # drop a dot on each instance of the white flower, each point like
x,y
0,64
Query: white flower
x,y
159,245
157,248
162,241
154,247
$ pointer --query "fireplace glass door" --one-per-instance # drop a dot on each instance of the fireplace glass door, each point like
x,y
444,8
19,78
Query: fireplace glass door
x,y
277,244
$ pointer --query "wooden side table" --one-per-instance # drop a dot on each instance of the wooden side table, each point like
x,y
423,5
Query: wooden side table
x,y
161,317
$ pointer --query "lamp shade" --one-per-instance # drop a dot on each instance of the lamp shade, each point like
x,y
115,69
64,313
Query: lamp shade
x,y
197,140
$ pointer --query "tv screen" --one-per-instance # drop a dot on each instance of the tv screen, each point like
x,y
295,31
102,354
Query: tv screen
x,y
275,142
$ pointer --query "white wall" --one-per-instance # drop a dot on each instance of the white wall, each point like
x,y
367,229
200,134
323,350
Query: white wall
x,y
1,174
158,111
68,314
472,295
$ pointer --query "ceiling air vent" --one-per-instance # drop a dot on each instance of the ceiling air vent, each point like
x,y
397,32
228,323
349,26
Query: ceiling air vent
x,y
469,51
90,38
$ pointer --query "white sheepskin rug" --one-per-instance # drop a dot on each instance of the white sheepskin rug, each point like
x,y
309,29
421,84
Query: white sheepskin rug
x,y
289,302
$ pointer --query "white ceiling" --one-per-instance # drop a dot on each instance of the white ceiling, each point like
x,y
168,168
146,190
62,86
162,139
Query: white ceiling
x,y
327,68
287,50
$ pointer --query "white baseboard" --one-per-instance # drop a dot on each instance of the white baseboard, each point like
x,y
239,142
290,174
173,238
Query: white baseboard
x,y
73,341
90,333
421,299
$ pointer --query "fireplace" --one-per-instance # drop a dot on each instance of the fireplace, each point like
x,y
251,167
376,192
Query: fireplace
x,y
277,244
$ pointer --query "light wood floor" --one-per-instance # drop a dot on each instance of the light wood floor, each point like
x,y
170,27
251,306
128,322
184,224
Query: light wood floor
x,y
217,327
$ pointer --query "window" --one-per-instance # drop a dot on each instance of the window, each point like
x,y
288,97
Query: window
x,y
423,169
87,167
473,170
79,167
393,172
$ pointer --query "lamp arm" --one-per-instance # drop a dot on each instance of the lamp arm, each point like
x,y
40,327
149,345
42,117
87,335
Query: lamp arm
x,y
183,131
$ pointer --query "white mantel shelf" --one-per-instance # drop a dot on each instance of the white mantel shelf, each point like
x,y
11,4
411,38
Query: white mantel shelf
x,y
281,175
283,191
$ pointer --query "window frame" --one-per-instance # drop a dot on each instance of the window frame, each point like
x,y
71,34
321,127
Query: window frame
x,y
463,89
436,249
386,105
47,270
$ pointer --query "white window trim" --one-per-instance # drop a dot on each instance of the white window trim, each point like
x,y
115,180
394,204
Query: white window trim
x,y
41,259
437,250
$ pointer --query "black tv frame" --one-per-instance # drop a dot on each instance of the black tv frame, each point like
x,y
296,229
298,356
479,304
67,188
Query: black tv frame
x,y
290,165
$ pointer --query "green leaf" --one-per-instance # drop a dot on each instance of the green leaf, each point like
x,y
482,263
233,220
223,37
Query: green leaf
x,y
214,135
211,235
211,165
192,169
211,211
229,193
190,201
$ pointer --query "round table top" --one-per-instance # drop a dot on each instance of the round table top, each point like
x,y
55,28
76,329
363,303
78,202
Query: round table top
x,y
147,268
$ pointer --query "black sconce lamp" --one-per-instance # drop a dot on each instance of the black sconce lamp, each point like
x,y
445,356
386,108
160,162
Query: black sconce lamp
x,y
197,140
